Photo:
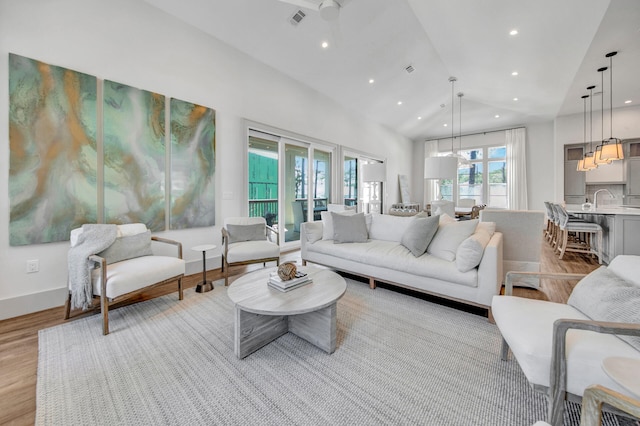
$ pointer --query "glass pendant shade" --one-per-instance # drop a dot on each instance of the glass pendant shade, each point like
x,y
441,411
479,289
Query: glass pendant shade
x,y
590,161
612,150
598,156
580,167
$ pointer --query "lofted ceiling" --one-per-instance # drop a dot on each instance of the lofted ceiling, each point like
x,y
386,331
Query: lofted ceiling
x,y
557,51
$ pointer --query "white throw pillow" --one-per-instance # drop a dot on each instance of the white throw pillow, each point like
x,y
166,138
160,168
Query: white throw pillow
x,y
470,251
488,227
449,236
327,223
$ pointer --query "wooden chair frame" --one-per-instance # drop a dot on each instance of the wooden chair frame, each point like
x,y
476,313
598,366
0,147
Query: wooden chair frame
x,y
556,392
226,265
105,301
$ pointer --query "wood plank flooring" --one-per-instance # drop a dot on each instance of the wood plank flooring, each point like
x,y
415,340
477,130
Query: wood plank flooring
x,y
19,336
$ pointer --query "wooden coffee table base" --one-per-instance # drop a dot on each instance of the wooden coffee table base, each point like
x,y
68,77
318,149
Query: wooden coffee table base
x,y
253,331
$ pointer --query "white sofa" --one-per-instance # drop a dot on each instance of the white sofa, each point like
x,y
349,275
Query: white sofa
x,y
561,347
384,258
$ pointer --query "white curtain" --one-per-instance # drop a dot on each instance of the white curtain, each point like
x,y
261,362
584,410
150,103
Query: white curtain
x,y
516,169
430,185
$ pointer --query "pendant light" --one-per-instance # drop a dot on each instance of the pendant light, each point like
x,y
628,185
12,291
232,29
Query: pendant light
x,y
581,167
611,148
598,152
589,159
463,162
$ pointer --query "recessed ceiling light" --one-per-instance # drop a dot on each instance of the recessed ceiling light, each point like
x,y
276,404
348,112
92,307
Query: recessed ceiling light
x,y
325,44
399,102
628,101
513,32
497,116
514,73
371,81
419,118
445,124
515,99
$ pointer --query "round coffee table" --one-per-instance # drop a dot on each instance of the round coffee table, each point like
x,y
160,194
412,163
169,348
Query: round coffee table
x,y
262,314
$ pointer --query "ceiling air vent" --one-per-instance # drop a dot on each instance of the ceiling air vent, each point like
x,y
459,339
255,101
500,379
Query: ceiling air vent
x,y
297,17
409,69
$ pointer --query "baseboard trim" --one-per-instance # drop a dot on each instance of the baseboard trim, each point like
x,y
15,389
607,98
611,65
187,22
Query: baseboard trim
x,y
30,303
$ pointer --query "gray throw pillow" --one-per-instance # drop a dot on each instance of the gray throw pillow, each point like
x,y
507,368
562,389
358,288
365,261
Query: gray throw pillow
x,y
419,234
349,229
239,233
128,247
604,296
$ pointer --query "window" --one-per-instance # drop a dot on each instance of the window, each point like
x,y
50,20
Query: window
x,y
350,190
485,181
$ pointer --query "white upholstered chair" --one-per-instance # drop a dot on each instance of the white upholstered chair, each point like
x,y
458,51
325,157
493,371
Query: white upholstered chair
x,y
122,269
466,202
244,241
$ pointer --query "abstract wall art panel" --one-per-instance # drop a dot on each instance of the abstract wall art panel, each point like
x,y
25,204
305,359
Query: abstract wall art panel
x,y
134,156
52,151
193,144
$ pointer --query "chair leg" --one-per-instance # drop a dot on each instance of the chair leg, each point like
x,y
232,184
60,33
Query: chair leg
x,y
104,308
180,290
563,248
599,247
67,307
226,273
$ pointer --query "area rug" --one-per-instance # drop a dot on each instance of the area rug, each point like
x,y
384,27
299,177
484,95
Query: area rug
x,y
399,360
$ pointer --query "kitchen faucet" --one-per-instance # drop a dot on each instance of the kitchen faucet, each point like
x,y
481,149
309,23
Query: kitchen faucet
x,y
595,197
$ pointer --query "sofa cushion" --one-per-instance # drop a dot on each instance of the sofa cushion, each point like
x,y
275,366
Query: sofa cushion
x,y
240,233
604,296
419,233
327,222
449,236
488,227
470,251
250,250
387,227
349,228
128,247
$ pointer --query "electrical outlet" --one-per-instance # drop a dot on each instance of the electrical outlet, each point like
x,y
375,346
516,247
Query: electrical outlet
x,y
33,266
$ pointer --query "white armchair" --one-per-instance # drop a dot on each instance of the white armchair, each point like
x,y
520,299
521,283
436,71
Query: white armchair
x,y
116,262
561,347
443,207
244,241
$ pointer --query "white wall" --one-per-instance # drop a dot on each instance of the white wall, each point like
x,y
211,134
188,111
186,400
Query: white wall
x,y
133,43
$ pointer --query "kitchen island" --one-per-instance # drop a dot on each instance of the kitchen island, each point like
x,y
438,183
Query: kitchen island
x,y
620,227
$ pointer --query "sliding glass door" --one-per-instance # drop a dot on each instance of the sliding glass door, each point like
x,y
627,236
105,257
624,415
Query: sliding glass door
x,y
304,170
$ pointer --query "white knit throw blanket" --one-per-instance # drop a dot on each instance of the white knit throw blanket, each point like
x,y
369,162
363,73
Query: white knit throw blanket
x,y
93,239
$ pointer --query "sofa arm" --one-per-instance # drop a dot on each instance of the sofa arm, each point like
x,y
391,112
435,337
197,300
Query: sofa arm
x,y
168,241
558,370
490,270
309,233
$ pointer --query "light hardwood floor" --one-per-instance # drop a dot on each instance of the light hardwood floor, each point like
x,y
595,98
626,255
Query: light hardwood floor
x,y
19,336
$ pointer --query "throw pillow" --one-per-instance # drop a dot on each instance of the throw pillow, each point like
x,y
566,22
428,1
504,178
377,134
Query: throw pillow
x,y
313,231
128,247
471,250
489,227
238,233
449,236
349,228
418,235
604,296
327,223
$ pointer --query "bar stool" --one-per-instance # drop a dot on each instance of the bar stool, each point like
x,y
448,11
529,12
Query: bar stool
x,y
591,231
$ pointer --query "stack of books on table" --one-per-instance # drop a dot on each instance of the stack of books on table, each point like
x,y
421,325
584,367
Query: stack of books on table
x,y
277,283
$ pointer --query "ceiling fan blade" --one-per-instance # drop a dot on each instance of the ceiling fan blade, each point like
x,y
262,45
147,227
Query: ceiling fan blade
x,y
307,4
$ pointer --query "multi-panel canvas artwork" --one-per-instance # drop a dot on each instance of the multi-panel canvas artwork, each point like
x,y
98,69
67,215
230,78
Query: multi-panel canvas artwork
x,y
134,156
193,145
63,173
52,149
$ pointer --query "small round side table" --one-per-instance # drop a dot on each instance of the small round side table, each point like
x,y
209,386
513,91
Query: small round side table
x,y
204,285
